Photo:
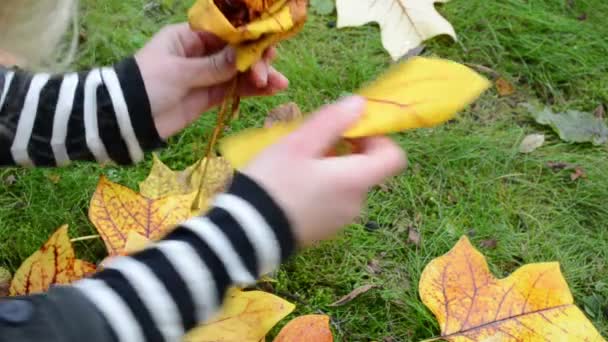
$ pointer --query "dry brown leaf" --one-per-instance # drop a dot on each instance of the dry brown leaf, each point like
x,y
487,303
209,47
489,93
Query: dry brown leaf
x,y
413,236
354,294
489,244
373,267
504,87
284,113
578,173
470,304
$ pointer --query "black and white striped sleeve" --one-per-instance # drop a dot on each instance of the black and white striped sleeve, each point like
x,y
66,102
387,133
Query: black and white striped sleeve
x,y
169,288
102,115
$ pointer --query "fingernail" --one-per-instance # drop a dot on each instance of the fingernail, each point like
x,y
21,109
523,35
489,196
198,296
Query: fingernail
x,y
352,103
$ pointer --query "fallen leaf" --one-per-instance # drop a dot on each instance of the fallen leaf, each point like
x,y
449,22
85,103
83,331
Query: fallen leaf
x,y
373,267
54,178
251,36
557,166
489,244
245,317
10,180
405,24
354,294
5,281
599,112
323,7
162,181
413,236
579,172
116,210
470,304
287,112
54,263
531,143
504,87
422,92
572,126
309,328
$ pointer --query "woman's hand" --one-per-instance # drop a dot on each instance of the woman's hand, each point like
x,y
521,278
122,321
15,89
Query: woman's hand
x,y
186,73
319,194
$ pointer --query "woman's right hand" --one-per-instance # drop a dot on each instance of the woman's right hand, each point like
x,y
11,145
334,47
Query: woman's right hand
x,y
319,194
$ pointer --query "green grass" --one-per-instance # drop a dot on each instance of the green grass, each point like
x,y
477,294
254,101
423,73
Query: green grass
x,y
464,178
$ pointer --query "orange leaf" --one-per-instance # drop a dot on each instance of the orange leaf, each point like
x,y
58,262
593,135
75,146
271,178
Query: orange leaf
x,y
247,316
532,304
54,263
117,210
306,328
504,87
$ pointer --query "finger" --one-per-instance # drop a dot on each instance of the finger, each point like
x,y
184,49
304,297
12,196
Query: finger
x,y
259,74
379,159
324,129
276,82
195,44
270,54
212,70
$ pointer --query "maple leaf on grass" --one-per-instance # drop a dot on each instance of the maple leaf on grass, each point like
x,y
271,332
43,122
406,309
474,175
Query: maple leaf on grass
x,y
247,316
470,304
54,263
422,92
162,181
309,328
116,210
405,24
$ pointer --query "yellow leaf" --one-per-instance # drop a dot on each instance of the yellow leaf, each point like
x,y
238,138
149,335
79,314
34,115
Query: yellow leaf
x,y
250,36
54,263
306,329
422,92
117,210
532,304
245,317
162,181
135,243
405,24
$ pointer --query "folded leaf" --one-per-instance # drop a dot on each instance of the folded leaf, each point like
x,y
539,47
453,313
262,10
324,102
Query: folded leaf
x,y
245,317
279,21
423,92
532,304
54,263
117,210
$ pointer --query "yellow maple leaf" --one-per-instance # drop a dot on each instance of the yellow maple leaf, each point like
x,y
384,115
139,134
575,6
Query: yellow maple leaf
x,y
306,328
162,181
532,304
405,24
116,210
251,36
245,317
54,263
423,92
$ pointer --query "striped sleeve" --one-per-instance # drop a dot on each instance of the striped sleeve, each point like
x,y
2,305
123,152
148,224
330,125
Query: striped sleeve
x,y
167,289
102,115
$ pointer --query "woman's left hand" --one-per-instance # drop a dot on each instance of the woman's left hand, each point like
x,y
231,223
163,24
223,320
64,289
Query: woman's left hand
x,y
186,73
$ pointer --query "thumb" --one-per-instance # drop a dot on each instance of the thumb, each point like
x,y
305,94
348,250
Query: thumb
x,y
211,70
325,128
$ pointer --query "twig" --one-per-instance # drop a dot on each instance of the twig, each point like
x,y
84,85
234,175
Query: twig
x,y
85,238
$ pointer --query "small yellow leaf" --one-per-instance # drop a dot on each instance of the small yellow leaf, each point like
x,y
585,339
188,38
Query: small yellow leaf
x,y
245,317
306,329
423,92
250,36
532,304
54,263
162,181
116,210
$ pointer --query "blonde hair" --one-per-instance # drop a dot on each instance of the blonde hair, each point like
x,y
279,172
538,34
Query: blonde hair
x,y
35,31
